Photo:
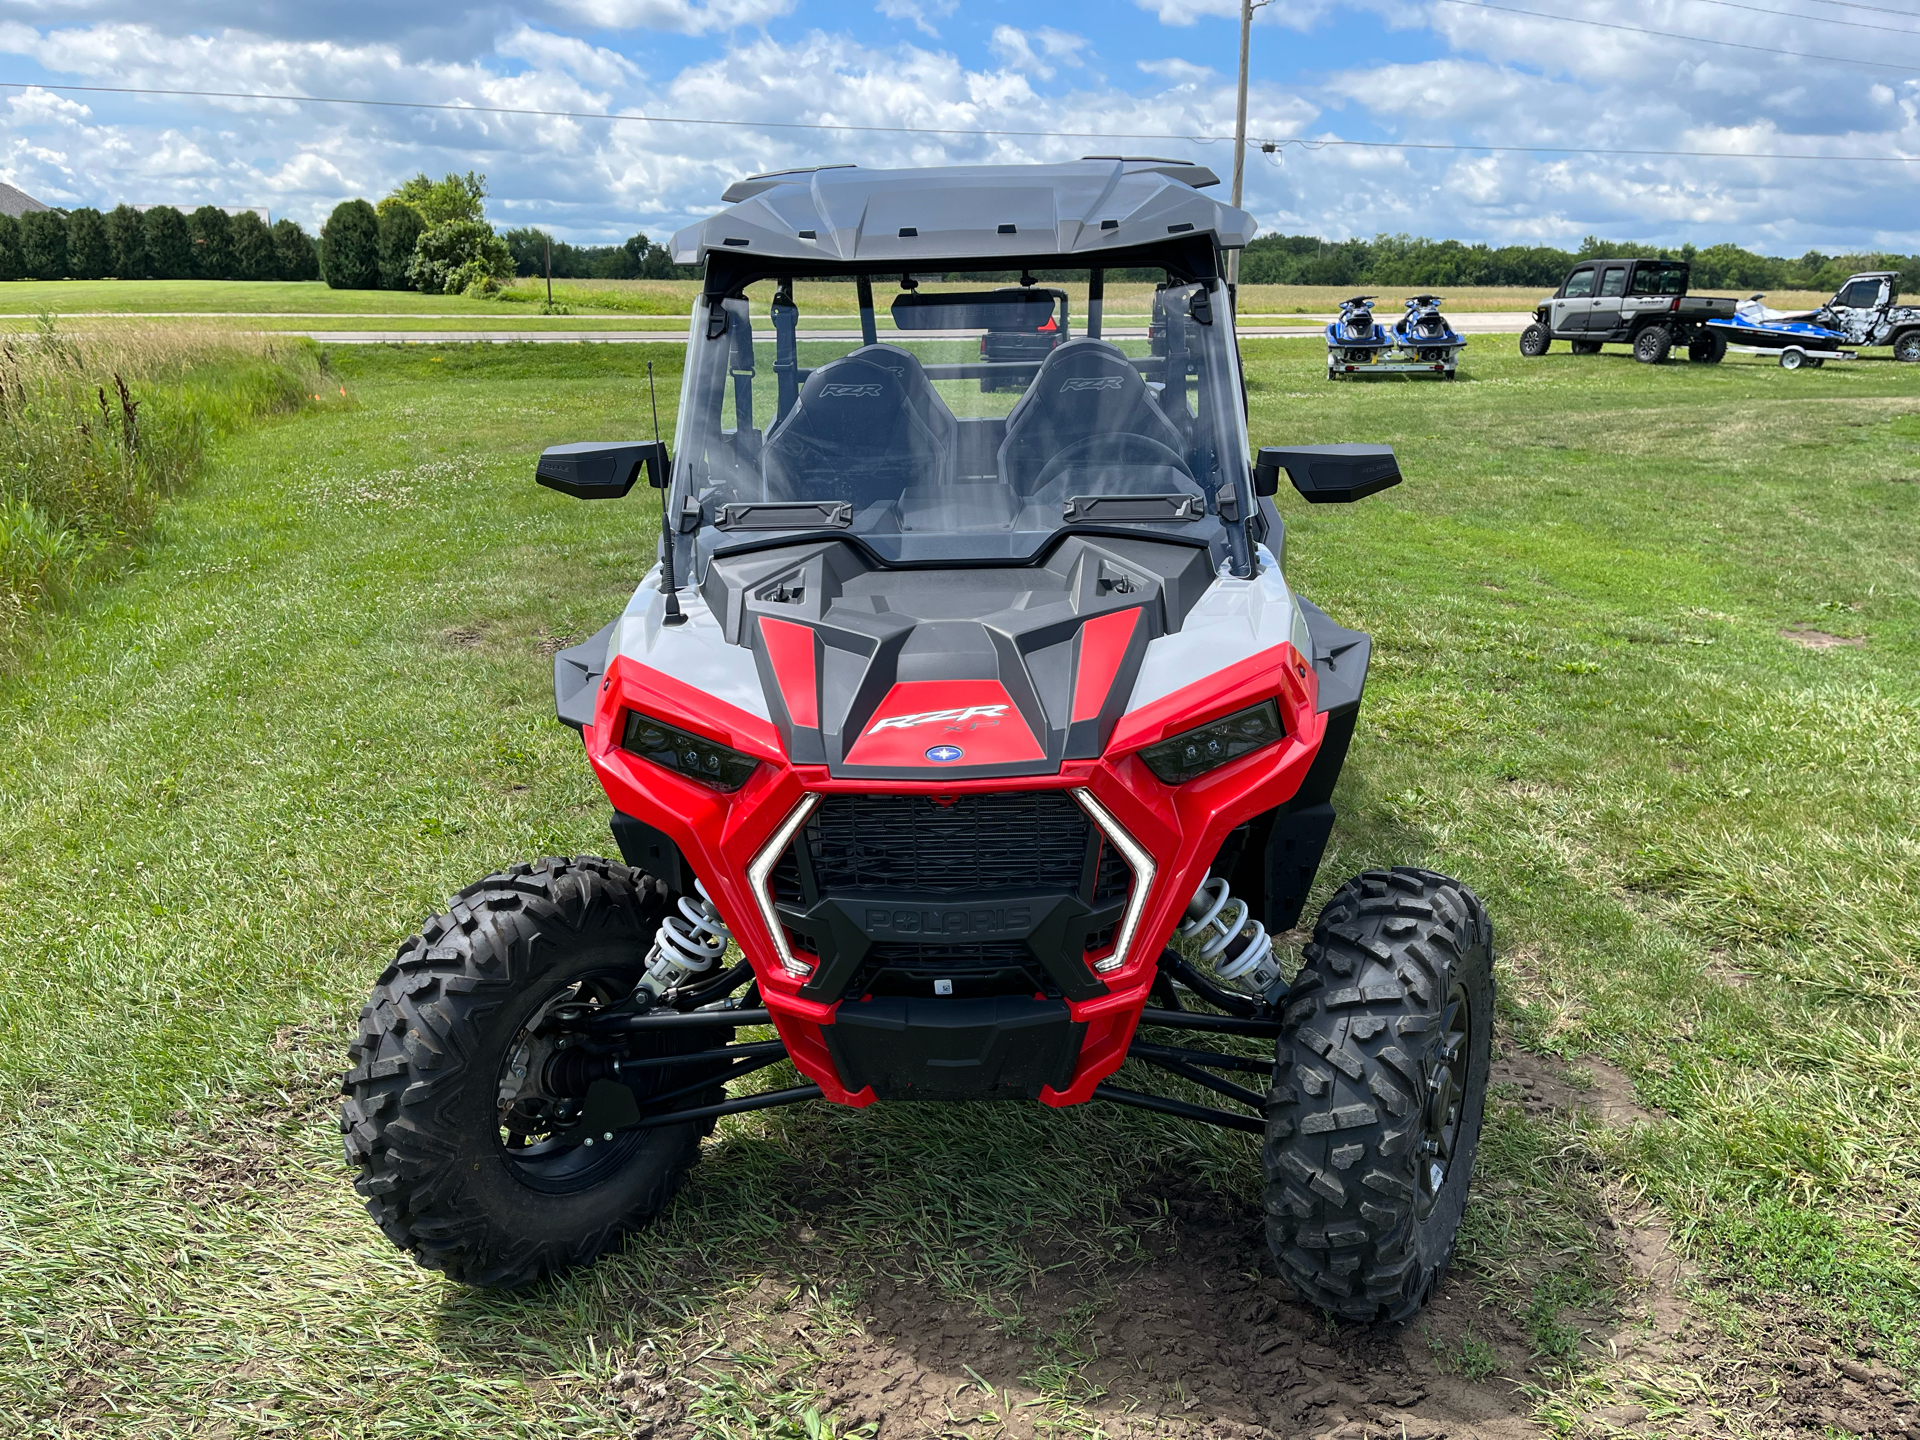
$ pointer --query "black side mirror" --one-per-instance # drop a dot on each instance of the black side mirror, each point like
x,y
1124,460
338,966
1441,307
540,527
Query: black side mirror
x,y
1327,474
607,470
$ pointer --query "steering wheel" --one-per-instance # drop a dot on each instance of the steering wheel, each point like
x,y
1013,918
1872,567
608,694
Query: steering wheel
x,y
1123,448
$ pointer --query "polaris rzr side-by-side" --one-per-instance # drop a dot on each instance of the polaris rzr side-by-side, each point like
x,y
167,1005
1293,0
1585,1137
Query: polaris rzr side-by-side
x,y
981,719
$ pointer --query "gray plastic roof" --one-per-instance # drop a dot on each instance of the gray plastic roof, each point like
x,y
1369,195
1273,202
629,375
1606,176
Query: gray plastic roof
x,y
908,218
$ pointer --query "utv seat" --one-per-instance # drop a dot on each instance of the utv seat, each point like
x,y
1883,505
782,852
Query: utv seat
x,y
1086,391
921,396
860,431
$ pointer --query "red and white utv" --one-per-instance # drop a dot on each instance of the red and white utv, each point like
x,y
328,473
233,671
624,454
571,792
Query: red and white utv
x,y
968,701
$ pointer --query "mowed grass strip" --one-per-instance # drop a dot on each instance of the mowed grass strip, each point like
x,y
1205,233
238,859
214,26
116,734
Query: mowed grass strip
x,y
233,782
526,297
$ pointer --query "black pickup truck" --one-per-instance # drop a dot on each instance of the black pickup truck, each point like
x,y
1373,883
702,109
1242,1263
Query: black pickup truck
x,y
1642,303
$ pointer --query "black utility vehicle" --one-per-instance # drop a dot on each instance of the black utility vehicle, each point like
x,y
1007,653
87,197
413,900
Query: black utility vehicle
x,y
1642,303
1031,329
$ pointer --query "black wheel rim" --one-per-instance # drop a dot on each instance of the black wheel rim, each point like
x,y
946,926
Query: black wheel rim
x,y
528,1130
1446,1099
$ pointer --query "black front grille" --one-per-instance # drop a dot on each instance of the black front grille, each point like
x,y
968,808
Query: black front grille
x,y
1114,876
987,894
786,880
988,955
995,967
970,845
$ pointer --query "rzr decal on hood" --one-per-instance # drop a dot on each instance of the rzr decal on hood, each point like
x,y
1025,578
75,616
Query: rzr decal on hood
x,y
907,722
921,719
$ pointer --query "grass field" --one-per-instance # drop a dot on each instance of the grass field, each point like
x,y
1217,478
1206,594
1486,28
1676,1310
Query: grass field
x,y
1645,675
664,298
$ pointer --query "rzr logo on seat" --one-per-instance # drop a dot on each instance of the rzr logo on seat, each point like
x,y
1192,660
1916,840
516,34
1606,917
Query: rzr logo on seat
x,y
860,390
1112,382
930,717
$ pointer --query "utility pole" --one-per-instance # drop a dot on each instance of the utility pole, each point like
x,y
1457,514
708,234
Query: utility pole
x,y
1247,7
549,240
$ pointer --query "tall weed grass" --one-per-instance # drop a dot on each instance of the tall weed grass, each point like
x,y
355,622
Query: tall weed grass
x,y
99,427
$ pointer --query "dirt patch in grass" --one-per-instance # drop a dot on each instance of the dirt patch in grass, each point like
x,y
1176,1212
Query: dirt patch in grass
x,y
1812,639
1589,1084
1200,1340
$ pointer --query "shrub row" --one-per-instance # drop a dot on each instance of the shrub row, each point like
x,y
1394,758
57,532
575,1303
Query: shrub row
x,y
159,244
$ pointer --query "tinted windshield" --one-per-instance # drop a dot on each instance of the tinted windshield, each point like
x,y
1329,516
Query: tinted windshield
x,y
960,421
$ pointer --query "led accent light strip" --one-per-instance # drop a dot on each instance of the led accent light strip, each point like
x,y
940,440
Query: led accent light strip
x,y
1141,864
761,870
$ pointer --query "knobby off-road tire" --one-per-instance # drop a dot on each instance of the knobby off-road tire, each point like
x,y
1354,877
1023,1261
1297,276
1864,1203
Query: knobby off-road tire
x,y
1710,350
1584,347
1652,345
1534,340
1907,347
1380,1082
423,1109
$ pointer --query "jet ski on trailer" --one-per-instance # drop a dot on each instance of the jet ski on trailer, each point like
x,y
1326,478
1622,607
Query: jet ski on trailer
x,y
1796,339
1424,336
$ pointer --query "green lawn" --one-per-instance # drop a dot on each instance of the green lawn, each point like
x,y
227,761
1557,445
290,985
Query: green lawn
x,y
231,783
626,297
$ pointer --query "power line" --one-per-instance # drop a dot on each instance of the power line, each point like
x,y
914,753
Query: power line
x,y
1335,142
1690,39
1816,19
467,109
1877,9
1270,145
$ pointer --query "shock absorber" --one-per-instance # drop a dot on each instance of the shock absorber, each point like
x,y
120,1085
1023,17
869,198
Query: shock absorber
x,y
688,944
1233,943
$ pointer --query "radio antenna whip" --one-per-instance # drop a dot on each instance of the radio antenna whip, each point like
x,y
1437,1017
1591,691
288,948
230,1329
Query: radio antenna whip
x,y
667,583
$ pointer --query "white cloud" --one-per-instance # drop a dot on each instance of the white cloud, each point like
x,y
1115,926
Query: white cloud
x,y
917,11
682,17
1180,72
1524,84
1034,51
544,50
1294,14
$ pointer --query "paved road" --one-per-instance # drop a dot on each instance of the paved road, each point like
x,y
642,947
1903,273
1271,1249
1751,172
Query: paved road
x,y
1489,323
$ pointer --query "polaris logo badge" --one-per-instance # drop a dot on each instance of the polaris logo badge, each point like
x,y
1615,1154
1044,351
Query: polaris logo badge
x,y
1008,920
945,754
930,717
861,391
1112,382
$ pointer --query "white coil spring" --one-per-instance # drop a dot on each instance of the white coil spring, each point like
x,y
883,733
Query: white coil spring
x,y
1235,945
688,944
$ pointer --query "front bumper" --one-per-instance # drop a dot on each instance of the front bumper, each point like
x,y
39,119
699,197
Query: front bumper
x,y
1057,1047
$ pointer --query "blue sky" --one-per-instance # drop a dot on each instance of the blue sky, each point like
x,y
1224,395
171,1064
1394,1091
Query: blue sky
x,y
1408,70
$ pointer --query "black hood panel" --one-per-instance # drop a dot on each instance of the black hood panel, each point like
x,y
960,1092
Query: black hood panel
x,y
968,672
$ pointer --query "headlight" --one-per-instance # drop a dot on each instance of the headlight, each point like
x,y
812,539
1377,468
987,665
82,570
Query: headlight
x,y
693,756
1208,747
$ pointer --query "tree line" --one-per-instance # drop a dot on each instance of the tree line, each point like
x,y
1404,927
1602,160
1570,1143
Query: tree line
x,y
636,258
433,235
1399,261
160,243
